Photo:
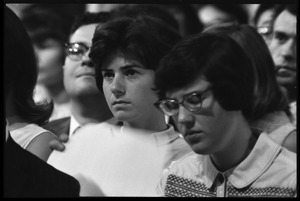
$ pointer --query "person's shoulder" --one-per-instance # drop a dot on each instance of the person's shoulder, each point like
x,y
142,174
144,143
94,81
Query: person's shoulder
x,y
283,132
109,125
113,121
33,177
102,125
282,162
187,168
38,130
92,132
267,147
60,183
180,149
288,158
190,162
284,166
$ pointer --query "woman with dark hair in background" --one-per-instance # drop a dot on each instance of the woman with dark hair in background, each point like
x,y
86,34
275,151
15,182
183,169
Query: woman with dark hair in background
x,y
24,115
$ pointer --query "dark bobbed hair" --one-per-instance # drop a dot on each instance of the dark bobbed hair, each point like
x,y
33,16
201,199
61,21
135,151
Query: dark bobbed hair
x,y
267,96
20,71
145,38
219,59
90,18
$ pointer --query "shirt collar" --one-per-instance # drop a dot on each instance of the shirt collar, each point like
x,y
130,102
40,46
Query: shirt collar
x,y
73,125
210,172
259,159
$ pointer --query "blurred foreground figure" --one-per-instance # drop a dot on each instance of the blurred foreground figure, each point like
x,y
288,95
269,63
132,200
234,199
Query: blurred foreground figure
x,y
25,175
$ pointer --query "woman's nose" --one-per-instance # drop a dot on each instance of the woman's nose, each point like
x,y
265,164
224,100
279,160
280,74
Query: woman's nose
x,y
117,86
185,118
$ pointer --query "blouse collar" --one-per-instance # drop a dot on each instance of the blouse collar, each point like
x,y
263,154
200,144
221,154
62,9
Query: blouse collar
x,y
251,168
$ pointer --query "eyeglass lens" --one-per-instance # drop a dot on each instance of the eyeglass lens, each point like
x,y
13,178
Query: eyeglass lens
x,y
75,51
192,102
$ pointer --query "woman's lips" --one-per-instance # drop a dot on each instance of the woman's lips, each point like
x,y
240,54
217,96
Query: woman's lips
x,y
193,135
86,74
284,71
120,103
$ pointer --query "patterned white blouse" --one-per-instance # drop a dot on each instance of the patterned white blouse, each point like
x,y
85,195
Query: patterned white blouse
x,y
268,171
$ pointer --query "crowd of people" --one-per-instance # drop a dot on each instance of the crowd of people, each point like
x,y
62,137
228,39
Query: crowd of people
x,y
213,87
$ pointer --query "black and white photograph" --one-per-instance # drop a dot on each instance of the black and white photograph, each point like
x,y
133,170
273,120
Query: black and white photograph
x,y
152,99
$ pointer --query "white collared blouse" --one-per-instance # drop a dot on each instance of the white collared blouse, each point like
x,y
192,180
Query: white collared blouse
x,y
268,171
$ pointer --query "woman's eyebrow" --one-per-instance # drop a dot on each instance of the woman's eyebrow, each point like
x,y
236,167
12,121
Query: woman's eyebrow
x,y
126,67
131,66
105,69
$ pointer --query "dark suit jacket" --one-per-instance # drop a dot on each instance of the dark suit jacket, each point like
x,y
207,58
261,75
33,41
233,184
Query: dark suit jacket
x,y
59,126
25,175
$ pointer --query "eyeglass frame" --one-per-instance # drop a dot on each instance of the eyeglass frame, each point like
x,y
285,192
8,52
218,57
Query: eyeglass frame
x,y
157,104
80,55
268,33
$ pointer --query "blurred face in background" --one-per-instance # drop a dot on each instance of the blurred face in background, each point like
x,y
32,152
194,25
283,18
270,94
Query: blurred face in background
x,y
283,48
210,15
50,58
79,75
264,24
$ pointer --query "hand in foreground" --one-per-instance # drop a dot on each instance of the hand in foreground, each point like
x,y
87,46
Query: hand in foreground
x,y
58,143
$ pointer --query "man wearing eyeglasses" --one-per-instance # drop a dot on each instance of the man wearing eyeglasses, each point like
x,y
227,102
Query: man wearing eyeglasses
x,y
88,105
205,84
